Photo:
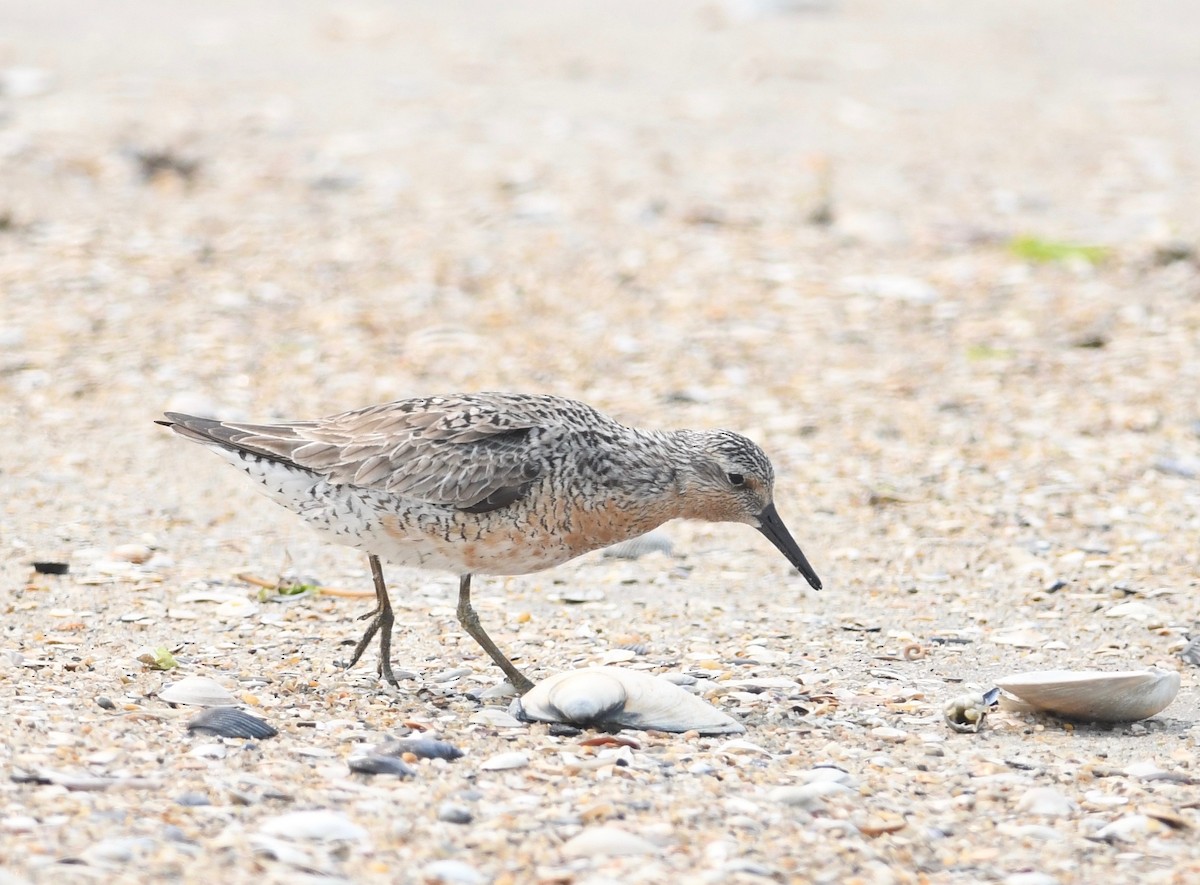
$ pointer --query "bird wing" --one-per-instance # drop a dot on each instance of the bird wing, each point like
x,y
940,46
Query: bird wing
x,y
476,452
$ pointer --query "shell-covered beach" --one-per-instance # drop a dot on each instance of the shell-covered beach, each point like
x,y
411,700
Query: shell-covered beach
x,y
939,261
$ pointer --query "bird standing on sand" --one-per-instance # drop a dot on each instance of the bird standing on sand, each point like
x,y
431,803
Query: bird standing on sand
x,y
493,484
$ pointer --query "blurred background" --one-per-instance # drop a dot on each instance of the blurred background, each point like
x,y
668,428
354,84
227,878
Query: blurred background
x,y
939,259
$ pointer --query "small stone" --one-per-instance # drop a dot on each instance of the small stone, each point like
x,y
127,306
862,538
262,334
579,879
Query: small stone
x,y
496,718
454,814
1031,878
317,825
808,796
1047,802
451,675
891,287
451,872
886,733
380,763
1135,611
881,824
117,850
1145,770
605,841
135,553
1127,829
577,595
827,774
504,762
422,747
25,82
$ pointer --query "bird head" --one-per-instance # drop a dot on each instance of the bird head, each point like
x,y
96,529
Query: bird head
x,y
730,479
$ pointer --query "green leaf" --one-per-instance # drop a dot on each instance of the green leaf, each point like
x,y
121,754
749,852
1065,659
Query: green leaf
x,y
1041,251
159,659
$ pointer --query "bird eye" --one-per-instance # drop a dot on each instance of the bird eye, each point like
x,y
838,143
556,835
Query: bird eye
x,y
736,479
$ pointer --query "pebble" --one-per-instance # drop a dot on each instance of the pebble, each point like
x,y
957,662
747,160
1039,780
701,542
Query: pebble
x,y
1099,797
607,841
1128,829
317,825
135,553
422,747
1046,801
286,853
451,872
117,850
578,595
496,718
451,675
380,763
1031,878
25,82
893,287
504,761
1136,611
828,774
1145,770
454,814
808,796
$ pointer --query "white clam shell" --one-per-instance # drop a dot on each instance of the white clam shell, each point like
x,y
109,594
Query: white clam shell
x,y
611,697
1094,695
197,691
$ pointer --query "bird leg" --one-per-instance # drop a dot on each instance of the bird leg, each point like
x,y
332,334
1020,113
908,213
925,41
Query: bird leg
x,y
382,620
470,621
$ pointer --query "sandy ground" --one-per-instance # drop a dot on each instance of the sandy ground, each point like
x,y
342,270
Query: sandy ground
x,y
793,220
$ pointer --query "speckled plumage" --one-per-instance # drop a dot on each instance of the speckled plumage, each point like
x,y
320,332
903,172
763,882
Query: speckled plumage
x,y
493,483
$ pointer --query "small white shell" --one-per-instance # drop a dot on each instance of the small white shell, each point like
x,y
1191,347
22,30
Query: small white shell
x,y
197,691
1093,695
504,761
611,697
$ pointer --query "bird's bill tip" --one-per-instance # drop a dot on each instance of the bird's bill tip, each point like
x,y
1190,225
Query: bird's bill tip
x,y
777,533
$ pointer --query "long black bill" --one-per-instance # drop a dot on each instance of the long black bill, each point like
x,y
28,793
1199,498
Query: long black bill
x,y
772,526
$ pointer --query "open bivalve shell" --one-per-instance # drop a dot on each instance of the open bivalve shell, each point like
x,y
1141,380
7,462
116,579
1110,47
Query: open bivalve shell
x,y
613,698
197,691
1093,695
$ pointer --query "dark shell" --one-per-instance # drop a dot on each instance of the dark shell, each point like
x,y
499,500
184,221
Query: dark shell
x,y
231,722
380,763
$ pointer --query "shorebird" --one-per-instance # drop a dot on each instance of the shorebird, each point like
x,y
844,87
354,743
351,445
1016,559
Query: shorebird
x,y
492,484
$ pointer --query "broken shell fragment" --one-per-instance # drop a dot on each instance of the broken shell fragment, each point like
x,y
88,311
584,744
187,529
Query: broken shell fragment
x,y
1092,695
197,691
613,698
965,713
231,722
422,747
380,763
